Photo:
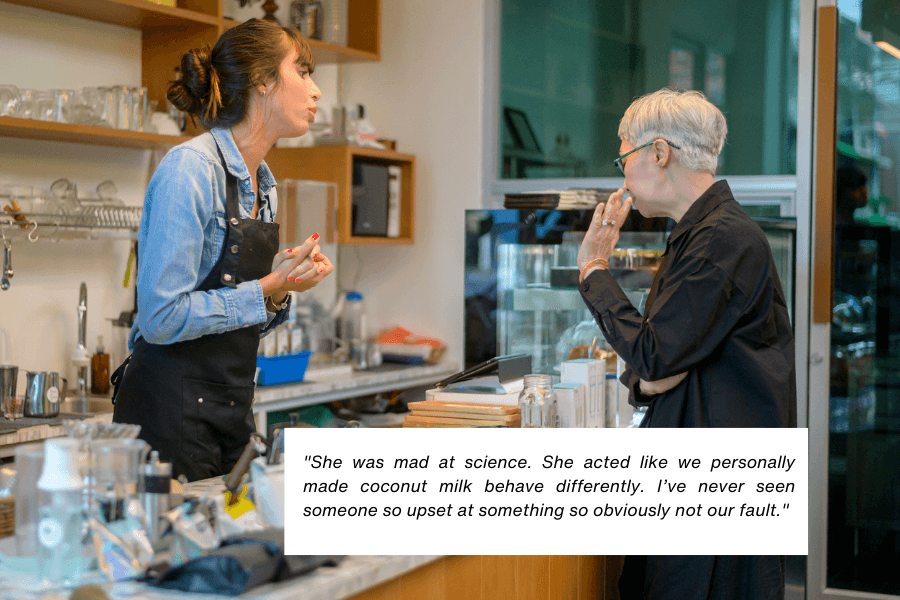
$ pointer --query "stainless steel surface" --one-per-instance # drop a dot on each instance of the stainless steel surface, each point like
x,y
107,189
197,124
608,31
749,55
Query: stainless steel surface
x,y
82,339
43,393
154,493
89,405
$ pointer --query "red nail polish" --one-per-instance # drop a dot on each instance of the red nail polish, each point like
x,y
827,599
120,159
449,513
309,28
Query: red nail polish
x,y
290,249
315,236
298,280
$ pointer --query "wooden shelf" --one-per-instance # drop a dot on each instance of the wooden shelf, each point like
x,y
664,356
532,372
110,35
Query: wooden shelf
x,y
167,33
332,54
137,14
335,164
30,129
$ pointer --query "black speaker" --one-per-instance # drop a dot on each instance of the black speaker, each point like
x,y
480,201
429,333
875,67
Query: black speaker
x,y
370,199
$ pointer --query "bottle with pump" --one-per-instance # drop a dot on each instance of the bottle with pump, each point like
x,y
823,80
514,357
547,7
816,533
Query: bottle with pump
x,y
61,520
100,369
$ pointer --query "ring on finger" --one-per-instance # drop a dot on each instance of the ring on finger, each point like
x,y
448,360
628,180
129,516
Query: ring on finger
x,y
604,222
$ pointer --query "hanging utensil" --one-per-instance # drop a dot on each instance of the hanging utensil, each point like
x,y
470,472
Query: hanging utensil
x,y
4,283
7,259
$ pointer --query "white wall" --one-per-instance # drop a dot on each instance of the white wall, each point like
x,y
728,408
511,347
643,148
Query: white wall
x,y
38,313
426,93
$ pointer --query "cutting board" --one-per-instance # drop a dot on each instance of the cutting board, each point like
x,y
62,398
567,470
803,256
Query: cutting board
x,y
455,407
435,421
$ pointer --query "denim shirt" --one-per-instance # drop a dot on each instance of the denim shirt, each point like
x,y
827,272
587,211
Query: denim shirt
x,y
180,240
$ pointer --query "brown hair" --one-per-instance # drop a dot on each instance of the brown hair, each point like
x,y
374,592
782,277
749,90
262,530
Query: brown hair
x,y
216,83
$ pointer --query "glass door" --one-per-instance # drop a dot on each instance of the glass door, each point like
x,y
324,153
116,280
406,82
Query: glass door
x,y
860,233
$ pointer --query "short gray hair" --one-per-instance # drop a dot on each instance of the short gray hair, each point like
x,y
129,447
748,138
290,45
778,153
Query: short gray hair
x,y
686,119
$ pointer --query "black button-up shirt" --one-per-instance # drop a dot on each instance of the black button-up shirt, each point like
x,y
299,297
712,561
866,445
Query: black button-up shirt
x,y
716,311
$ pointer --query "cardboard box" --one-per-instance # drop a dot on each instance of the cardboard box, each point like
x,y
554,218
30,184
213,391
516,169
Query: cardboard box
x,y
570,404
592,374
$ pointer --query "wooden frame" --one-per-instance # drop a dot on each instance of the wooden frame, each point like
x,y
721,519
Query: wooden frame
x,y
335,164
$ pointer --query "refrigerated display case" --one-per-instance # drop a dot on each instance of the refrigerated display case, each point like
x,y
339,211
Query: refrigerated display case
x,y
521,292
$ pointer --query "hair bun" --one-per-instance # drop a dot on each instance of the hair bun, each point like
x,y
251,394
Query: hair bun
x,y
192,91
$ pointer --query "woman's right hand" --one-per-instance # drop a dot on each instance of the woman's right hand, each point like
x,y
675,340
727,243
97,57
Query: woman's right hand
x,y
297,269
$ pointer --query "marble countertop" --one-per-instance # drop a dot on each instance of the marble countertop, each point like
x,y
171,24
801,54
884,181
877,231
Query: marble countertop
x,y
35,430
346,385
353,575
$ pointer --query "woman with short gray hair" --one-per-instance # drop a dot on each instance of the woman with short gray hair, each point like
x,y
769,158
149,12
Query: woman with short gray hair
x,y
688,119
714,346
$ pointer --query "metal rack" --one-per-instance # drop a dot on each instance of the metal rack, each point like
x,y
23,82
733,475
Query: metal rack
x,y
90,222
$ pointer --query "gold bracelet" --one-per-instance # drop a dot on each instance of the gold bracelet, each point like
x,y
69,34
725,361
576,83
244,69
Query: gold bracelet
x,y
602,261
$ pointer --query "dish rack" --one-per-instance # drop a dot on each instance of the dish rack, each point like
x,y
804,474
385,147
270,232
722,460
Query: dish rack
x,y
84,222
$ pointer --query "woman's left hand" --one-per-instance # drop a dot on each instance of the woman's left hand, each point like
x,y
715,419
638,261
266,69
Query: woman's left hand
x,y
650,388
603,233
309,273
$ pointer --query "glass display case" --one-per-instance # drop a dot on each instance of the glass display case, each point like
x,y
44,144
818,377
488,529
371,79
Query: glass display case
x,y
521,293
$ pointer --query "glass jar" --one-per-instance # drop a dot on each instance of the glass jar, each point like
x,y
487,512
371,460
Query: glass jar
x,y
537,402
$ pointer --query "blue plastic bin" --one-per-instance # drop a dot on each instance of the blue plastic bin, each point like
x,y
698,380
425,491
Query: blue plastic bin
x,y
289,368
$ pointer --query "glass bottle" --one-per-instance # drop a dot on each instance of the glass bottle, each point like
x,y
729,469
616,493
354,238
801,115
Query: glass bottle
x,y
537,402
100,369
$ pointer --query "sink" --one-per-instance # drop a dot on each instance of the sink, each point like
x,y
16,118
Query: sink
x,y
89,405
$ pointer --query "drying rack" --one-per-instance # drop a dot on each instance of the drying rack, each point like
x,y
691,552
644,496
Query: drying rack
x,y
90,222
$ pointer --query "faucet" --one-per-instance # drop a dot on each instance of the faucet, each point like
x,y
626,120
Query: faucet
x,y
81,356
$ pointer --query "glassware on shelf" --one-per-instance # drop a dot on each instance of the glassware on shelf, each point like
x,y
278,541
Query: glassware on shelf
x,y
43,106
26,106
9,100
537,402
308,17
138,108
122,103
59,107
336,22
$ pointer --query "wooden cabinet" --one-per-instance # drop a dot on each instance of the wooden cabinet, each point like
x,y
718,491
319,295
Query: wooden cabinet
x,y
167,33
335,164
505,578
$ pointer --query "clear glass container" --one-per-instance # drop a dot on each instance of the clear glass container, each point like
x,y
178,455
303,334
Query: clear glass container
x,y
537,402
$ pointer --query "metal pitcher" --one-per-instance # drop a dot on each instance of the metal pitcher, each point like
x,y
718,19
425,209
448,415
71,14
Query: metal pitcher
x,y
43,393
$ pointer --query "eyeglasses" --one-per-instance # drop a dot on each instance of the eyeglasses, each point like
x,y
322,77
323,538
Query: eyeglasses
x,y
620,161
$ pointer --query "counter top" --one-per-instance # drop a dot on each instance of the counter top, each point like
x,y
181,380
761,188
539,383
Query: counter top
x,y
34,430
353,575
358,383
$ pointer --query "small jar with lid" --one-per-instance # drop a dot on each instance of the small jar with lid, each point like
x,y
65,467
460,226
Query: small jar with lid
x,y
537,402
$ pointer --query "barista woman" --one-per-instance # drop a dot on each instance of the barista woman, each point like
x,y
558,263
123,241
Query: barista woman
x,y
211,280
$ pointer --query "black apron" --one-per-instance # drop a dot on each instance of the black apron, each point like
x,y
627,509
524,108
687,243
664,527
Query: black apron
x,y
193,399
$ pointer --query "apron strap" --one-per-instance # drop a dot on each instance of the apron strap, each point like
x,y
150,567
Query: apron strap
x,y
234,235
